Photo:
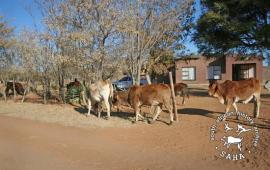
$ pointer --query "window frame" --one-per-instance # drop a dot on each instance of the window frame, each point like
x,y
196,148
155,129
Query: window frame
x,y
194,72
213,72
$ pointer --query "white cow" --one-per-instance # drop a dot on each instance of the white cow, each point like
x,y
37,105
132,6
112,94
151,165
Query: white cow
x,y
232,140
98,92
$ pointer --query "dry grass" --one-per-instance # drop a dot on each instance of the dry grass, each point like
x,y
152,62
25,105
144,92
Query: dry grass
x,y
62,114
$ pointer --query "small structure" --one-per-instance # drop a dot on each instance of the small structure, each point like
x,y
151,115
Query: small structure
x,y
197,69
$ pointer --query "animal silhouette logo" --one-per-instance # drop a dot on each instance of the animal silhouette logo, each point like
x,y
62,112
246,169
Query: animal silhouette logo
x,y
241,129
233,141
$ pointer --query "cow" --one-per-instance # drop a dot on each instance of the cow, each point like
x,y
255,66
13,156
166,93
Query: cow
x,y
267,85
181,89
98,92
157,95
120,98
75,83
230,92
18,88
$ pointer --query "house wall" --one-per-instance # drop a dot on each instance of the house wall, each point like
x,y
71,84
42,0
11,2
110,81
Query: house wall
x,y
233,60
266,74
201,68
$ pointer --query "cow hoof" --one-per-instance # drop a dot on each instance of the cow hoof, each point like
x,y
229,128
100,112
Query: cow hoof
x,y
170,123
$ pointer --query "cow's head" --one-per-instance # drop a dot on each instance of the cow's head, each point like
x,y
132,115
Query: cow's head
x,y
115,99
212,88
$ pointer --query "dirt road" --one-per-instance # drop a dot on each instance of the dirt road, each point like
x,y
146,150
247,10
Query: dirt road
x,y
34,144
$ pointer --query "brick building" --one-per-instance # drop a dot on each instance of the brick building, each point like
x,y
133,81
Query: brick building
x,y
200,70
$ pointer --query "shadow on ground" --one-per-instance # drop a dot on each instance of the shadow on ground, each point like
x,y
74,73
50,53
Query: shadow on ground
x,y
129,116
198,92
258,122
123,115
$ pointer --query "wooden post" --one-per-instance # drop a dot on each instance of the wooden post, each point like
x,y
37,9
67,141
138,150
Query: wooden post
x,y
173,96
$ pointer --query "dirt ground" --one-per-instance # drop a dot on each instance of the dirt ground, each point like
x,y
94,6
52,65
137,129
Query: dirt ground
x,y
56,136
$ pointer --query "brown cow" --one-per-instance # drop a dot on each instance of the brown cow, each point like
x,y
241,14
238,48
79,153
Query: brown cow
x,y
120,98
181,89
151,95
18,88
230,92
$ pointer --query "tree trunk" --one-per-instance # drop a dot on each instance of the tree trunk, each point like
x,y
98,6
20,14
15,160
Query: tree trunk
x,y
4,91
26,90
61,86
46,89
14,90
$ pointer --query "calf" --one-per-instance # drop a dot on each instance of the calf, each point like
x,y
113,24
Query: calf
x,y
157,95
120,98
98,92
181,89
230,92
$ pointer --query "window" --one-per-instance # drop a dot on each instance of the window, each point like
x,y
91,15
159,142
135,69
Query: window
x,y
214,72
247,71
188,73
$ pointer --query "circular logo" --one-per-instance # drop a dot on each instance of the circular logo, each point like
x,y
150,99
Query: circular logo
x,y
234,141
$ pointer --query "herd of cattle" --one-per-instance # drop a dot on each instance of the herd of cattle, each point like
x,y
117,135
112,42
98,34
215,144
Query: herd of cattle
x,y
159,96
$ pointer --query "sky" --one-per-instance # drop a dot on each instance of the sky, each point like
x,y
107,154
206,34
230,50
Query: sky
x,y
16,13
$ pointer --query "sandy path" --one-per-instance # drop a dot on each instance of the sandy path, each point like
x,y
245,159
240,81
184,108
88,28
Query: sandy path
x,y
30,144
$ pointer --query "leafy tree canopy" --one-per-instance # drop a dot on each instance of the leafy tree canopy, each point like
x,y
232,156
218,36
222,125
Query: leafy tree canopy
x,y
233,26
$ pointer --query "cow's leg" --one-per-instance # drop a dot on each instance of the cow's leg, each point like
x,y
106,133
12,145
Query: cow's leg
x,y
247,100
89,107
229,102
97,110
158,111
107,104
6,91
236,109
257,105
183,100
137,112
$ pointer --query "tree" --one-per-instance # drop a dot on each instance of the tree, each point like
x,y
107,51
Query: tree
x,y
234,26
147,25
6,42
